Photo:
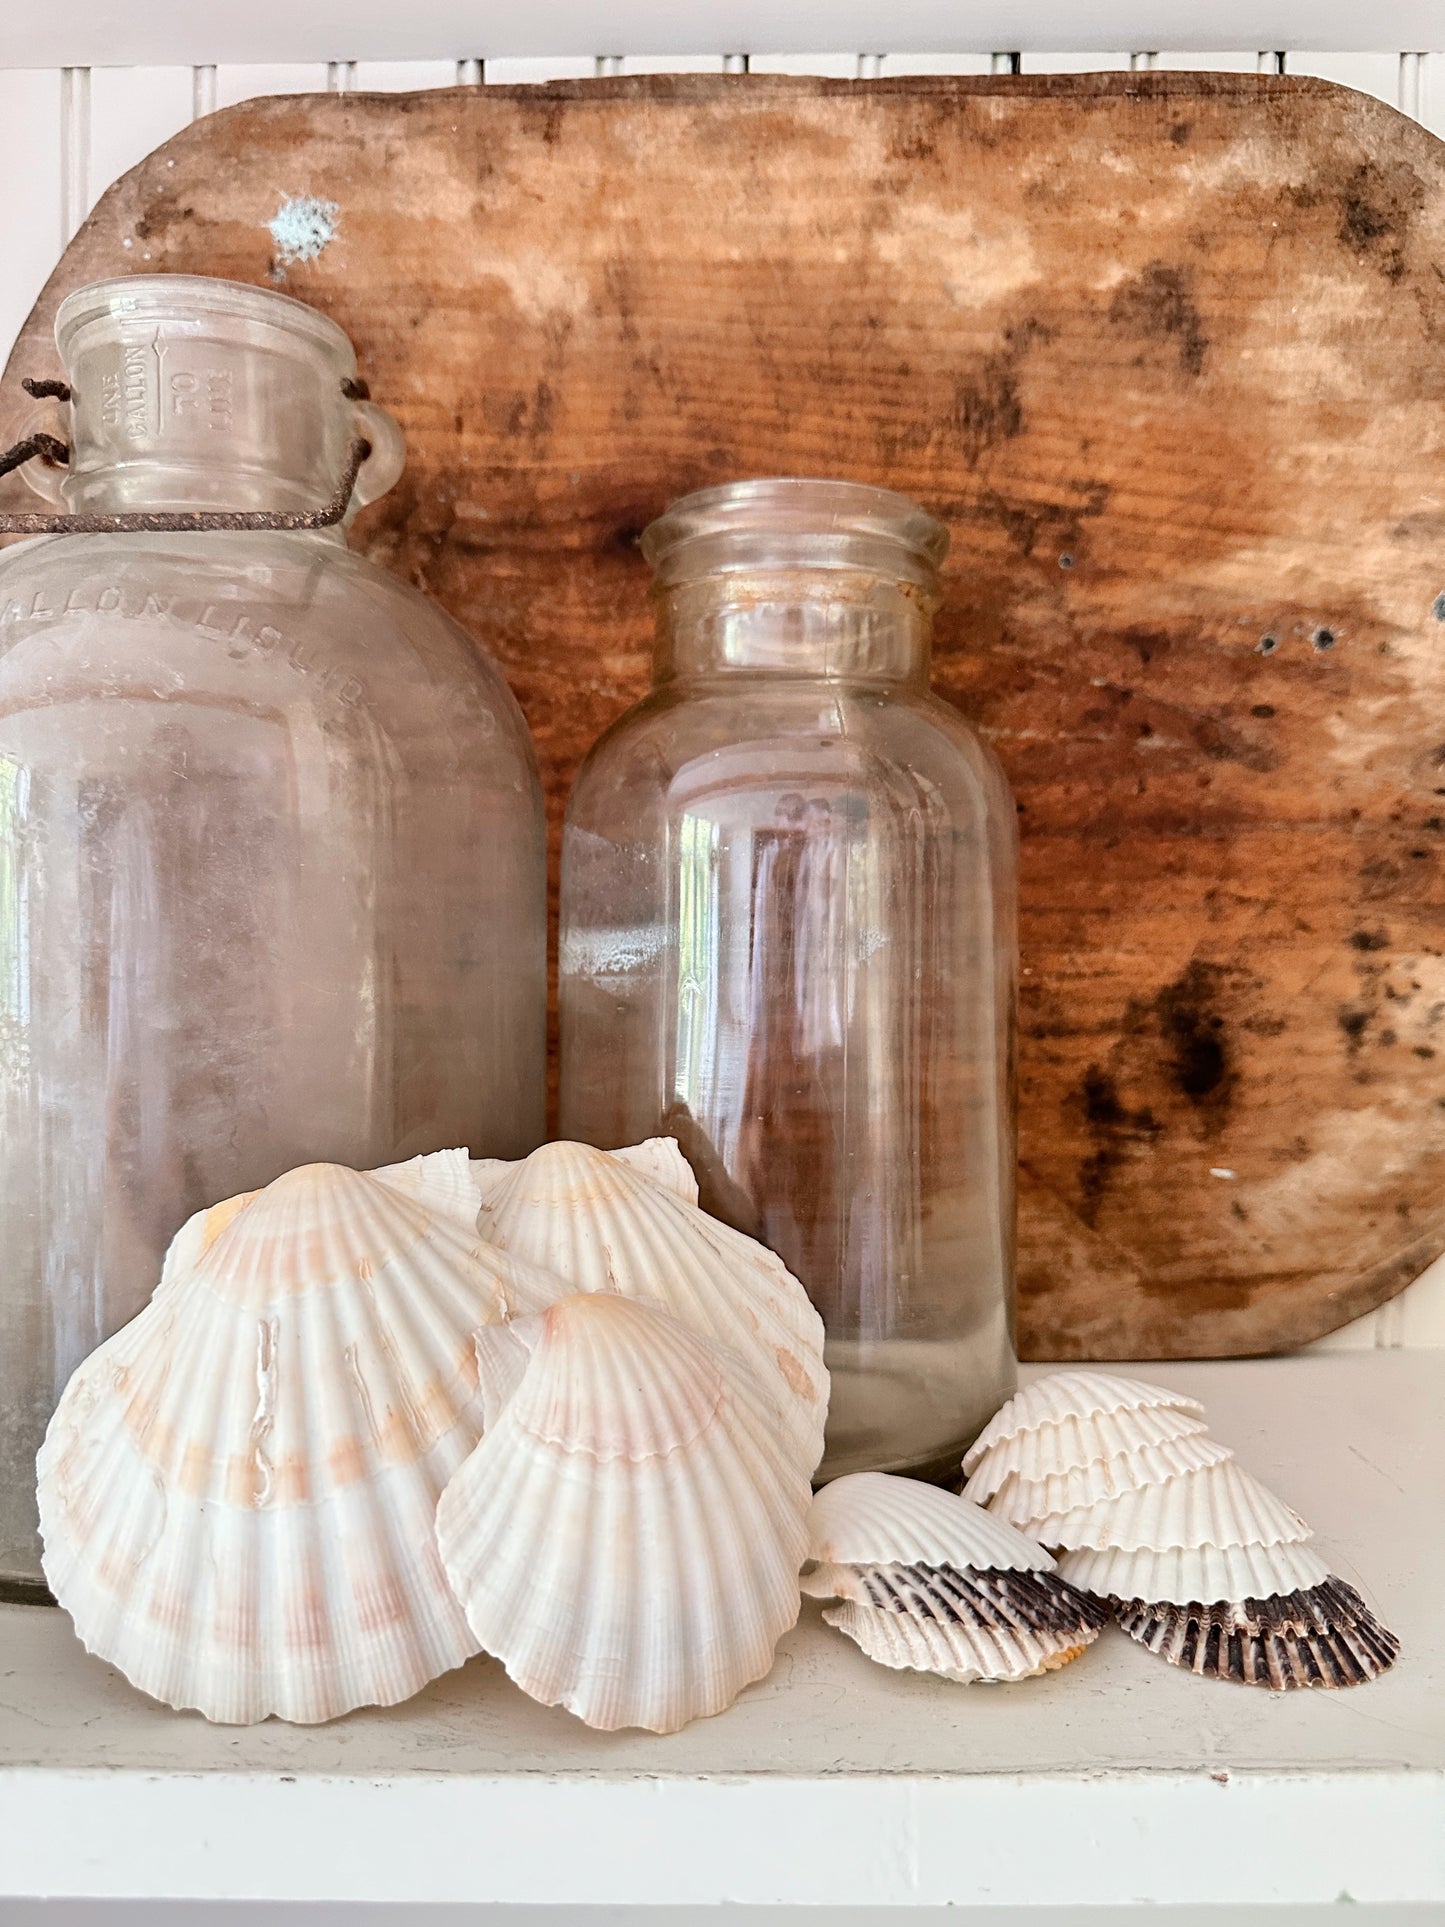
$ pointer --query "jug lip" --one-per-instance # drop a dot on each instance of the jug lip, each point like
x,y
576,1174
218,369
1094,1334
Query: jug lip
x,y
791,509
146,297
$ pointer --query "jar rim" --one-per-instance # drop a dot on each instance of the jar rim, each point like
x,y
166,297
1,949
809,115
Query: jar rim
x,y
789,511
149,296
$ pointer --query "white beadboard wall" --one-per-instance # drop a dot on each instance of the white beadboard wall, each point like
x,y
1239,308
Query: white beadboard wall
x,y
67,132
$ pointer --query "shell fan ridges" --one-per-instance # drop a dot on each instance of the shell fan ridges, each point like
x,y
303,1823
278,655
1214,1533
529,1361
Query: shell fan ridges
x,y
954,1648
1028,1505
1077,1443
1071,1394
626,1538
930,1582
1181,1574
879,1519
236,1490
605,1223
1213,1505
1323,1635
658,1158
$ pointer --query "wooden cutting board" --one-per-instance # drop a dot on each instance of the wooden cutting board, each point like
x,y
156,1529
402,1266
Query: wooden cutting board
x,y
1167,351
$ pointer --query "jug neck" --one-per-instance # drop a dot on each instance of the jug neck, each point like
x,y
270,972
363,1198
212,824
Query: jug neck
x,y
191,393
795,578
840,625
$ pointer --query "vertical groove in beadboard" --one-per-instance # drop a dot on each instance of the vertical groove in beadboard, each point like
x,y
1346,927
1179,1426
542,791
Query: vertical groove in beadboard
x,y
1414,89
203,91
74,149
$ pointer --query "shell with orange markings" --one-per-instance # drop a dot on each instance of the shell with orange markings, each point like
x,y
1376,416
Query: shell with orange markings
x,y
627,1222
626,1538
658,1158
237,1491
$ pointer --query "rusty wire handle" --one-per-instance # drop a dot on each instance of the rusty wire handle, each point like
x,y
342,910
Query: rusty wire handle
x,y
170,522
52,452
180,522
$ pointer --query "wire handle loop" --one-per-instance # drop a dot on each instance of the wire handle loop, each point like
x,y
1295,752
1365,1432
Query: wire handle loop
x,y
54,452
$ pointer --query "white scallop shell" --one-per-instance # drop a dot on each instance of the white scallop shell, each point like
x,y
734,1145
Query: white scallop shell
x,y
878,1519
1214,1505
1026,1504
1194,1574
658,1158
1075,1442
441,1181
604,1225
237,1489
627,1536
1071,1394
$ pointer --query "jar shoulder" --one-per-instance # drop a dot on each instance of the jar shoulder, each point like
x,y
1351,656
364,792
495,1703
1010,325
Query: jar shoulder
x,y
850,730
242,609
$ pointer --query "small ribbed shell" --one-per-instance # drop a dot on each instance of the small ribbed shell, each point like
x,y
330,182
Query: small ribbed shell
x,y
964,1625
658,1158
878,1519
1065,1395
606,1225
1323,1635
1076,1443
1214,1505
1028,1505
626,1538
1183,1574
236,1490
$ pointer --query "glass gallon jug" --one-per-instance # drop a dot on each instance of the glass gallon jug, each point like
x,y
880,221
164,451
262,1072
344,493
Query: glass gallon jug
x,y
788,940
272,870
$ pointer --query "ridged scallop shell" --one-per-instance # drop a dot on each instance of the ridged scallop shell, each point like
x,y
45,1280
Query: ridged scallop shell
x,y
237,1489
1215,1505
879,1519
966,1626
1324,1635
1064,1395
626,1538
1078,1442
1183,1574
658,1158
441,1181
1028,1505
604,1225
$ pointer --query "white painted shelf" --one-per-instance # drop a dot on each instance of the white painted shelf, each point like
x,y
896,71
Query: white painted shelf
x,y
833,1782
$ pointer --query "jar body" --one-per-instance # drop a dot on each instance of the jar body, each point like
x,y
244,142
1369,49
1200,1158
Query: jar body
x,y
271,891
788,941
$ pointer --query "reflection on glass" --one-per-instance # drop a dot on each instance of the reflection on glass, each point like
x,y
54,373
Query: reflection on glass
x,y
787,938
271,858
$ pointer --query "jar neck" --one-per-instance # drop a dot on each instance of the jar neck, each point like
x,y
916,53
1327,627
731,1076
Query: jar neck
x,y
194,394
835,624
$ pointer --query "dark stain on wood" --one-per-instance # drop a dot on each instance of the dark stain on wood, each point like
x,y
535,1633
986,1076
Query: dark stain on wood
x,y
1165,352
1158,303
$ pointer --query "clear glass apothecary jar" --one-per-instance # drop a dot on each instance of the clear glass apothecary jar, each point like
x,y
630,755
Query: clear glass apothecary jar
x,y
272,874
788,939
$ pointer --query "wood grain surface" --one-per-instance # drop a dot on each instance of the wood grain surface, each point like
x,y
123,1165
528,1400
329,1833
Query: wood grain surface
x,y
1167,351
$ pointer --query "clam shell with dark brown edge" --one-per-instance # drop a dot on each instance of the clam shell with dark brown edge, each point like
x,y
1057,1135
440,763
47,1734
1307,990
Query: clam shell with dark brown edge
x,y
965,1624
1323,1636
